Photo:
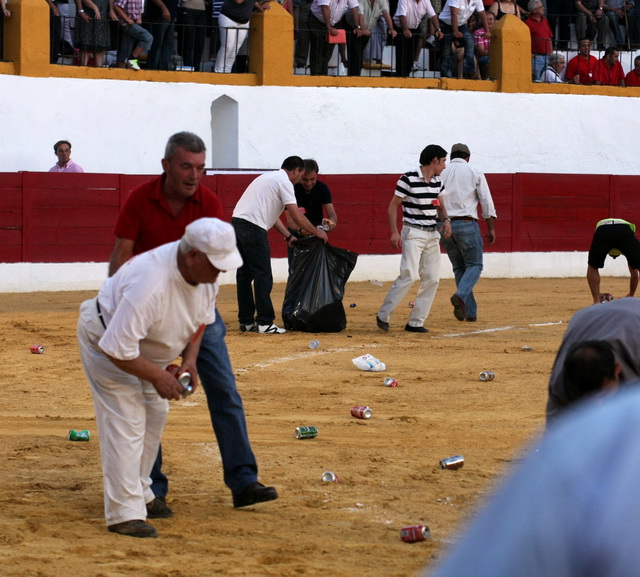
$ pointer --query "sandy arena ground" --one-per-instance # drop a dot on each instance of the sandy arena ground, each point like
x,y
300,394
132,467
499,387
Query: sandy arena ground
x,y
51,509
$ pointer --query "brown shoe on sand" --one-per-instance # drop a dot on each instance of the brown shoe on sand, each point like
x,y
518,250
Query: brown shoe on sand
x,y
158,509
135,528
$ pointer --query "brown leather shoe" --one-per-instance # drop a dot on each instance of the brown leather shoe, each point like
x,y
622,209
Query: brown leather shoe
x,y
135,528
158,509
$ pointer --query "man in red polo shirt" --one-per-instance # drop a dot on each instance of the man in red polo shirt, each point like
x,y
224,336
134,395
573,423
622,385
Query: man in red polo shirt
x,y
541,36
633,77
609,69
155,213
583,68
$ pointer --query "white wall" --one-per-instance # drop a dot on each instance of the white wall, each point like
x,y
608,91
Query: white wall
x,y
30,277
122,127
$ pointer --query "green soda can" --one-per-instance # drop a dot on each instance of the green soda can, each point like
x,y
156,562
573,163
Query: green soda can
x,y
75,435
306,432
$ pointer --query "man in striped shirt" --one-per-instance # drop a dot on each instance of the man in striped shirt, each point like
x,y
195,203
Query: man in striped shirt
x,y
418,192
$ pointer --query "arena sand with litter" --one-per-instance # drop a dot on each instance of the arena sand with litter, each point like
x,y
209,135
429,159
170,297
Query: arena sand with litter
x,y
51,508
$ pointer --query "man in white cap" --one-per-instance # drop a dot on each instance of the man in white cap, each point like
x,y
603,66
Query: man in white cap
x,y
152,310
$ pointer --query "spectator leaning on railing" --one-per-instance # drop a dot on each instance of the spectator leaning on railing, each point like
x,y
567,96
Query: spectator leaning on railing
x,y
553,72
161,14
541,37
482,45
590,20
583,68
93,34
633,77
134,39
610,72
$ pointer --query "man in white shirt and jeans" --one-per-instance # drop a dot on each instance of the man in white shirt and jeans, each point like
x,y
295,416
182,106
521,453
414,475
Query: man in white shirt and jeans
x,y
152,310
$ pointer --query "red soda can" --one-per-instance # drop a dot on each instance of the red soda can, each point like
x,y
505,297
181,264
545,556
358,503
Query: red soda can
x,y
390,382
361,412
414,533
36,349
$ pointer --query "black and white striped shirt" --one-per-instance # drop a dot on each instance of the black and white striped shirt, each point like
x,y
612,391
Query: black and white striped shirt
x,y
417,198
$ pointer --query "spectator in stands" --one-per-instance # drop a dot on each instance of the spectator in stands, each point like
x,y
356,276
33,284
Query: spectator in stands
x,y
372,53
633,78
302,34
55,32
4,13
370,11
590,21
325,19
93,33
161,14
459,50
553,72
62,150
610,72
134,39
541,38
616,12
501,8
453,20
192,24
406,22
560,14
583,68
482,44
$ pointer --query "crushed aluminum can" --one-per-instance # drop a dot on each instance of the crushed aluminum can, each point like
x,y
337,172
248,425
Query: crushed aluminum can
x,y
412,304
455,462
487,376
330,477
183,378
390,382
414,533
306,432
526,348
75,435
314,344
361,412
36,349
606,298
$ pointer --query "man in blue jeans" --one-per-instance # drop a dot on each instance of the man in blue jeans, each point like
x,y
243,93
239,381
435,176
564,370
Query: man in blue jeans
x,y
157,212
453,22
466,187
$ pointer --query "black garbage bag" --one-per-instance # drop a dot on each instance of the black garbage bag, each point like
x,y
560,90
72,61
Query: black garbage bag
x,y
313,298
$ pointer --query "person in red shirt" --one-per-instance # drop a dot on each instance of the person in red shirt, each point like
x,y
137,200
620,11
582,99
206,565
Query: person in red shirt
x,y
583,68
610,72
541,37
157,212
633,78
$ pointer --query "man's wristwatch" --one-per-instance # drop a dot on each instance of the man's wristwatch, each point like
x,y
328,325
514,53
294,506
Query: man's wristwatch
x,y
288,238
447,218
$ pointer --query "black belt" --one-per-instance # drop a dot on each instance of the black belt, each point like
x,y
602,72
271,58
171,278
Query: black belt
x,y
419,226
100,314
465,218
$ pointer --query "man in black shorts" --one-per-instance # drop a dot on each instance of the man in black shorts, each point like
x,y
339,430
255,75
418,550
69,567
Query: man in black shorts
x,y
613,237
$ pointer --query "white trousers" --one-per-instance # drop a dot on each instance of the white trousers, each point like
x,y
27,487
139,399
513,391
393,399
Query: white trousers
x,y
130,416
232,35
420,260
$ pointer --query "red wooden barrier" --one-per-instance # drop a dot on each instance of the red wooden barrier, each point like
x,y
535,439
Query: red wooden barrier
x,y
48,217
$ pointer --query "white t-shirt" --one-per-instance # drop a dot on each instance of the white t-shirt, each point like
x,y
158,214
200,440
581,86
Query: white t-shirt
x,y
150,310
265,198
466,9
336,8
413,11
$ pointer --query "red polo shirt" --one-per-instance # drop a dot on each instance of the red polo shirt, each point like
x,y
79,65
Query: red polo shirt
x,y
147,219
587,68
541,35
610,76
632,79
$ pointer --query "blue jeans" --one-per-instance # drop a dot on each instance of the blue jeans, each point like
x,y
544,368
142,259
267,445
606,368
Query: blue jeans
x,y
160,53
445,58
256,270
130,36
615,29
227,414
464,249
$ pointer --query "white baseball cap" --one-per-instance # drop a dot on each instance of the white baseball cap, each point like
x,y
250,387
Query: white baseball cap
x,y
217,240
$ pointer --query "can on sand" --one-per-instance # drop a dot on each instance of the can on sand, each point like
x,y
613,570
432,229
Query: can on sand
x,y
487,376
75,435
361,412
306,432
314,344
414,533
390,382
455,462
412,304
36,349
330,477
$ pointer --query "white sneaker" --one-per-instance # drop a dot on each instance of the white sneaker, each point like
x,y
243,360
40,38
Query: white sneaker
x,y
252,328
133,64
417,67
270,329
